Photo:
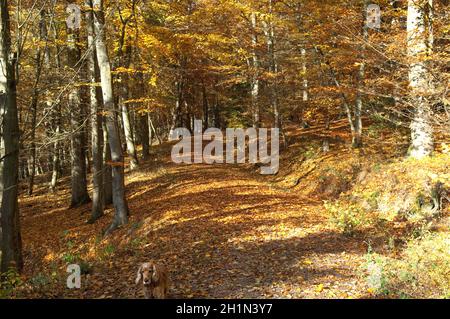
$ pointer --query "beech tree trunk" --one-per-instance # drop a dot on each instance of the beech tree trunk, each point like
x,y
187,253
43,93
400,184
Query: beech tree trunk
x,y
107,170
11,237
55,159
117,160
176,113
357,141
35,98
80,195
145,135
124,58
420,44
128,132
269,31
96,123
255,74
304,74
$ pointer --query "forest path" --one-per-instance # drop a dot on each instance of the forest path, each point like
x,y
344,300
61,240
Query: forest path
x,y
222,230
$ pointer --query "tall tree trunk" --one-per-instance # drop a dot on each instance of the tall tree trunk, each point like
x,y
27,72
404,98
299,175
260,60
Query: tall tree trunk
x,y
273,66
55,159
205,108
357,141
117,161
33,108
304,74
152,128
96,123
80,195
255,74
124,58
131,147
107,170
420,44
176,112
11,238
145,135
35,98
305,95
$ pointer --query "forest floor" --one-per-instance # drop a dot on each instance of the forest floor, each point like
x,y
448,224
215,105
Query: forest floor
x,y
223,231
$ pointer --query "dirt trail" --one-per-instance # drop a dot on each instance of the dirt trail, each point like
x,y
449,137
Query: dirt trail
x,y
223,231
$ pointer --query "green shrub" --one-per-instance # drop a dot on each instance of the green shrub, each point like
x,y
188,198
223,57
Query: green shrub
x,y
107,252
346,218
70,258
8,282
423,271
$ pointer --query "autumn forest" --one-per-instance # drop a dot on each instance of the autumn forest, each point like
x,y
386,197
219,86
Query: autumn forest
x,y
196,149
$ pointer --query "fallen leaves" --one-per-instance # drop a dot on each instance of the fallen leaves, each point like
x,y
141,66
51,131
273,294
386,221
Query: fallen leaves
x,y
226,233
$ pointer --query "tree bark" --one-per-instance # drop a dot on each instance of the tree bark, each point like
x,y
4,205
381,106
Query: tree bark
x,y
254,91
131,147
205,108
152,128
55,159
117,161
357,141
80,195
107,171
145,135
124,58
35,99
273,67
96,123
11,237
176,113
302,50
420,44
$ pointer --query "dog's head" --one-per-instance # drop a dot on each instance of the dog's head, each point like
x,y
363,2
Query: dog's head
x,y
147,273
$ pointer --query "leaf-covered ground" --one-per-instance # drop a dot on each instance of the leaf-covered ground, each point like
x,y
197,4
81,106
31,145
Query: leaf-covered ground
x,y
222,230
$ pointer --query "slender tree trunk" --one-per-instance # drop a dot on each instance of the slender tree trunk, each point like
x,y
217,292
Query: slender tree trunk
x,y
357,141
215,121
131,147
35,98
96,123
55,159
107,171
80,195
273,67
33,107
11,238
176,113
255,74
304,74
305,95
117,161
152,128
145,135
124,58
205,108
56,118
420,45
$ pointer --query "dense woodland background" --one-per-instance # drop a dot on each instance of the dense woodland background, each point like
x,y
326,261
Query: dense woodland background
x,y
358,209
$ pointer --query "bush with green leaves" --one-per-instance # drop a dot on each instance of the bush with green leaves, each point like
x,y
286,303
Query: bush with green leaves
x,y
8,282
422,271
347,218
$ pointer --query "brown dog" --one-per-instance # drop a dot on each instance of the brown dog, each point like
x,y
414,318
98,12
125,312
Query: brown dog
x,y
154,279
